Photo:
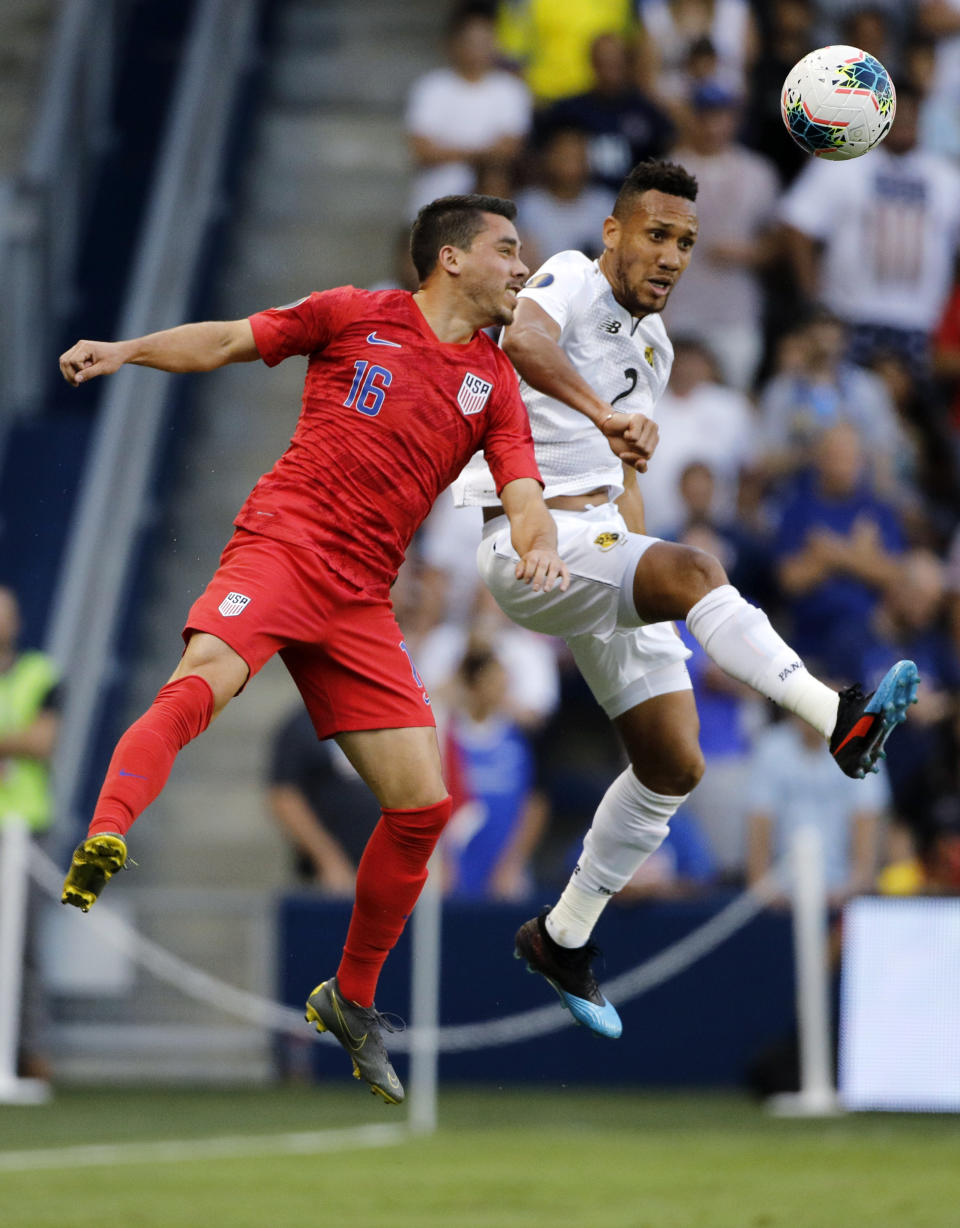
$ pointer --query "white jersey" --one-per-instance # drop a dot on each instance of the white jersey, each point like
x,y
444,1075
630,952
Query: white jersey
x,y
625,360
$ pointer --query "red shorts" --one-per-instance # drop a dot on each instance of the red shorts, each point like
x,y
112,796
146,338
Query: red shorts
x,y
343,648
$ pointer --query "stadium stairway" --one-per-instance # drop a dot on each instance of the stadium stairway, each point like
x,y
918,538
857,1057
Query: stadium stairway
x,y
321,196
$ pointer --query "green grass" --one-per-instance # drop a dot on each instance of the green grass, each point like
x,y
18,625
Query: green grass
x,y
520,1158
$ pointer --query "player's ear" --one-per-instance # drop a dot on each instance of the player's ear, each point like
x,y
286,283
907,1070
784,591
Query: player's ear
x,y
611,232
450,259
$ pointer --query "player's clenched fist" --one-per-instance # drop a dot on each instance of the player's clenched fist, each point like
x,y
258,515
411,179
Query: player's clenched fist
x,y
87,359
632,437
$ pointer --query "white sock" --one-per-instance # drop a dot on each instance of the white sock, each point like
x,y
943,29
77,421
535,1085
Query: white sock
x,y
630,824
739,637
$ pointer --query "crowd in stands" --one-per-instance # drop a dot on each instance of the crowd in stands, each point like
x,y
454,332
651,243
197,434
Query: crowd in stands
x,y
810,436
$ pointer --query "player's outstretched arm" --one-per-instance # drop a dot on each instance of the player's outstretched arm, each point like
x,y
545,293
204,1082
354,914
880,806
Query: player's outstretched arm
x,y
532,343
188,347
534,536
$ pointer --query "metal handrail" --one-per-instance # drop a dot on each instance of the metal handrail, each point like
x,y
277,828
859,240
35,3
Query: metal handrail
x,y
113,500
40,232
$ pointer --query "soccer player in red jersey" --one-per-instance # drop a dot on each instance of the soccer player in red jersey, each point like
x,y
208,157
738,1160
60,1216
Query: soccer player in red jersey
x,y
401,389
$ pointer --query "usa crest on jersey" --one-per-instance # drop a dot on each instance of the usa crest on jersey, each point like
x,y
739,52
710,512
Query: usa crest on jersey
x,y
233,604
473,393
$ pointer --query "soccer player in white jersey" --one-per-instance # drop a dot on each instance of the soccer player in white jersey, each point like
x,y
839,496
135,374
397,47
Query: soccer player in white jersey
x,y
594,357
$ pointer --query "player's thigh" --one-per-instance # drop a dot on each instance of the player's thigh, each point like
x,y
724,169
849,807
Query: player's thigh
x,y
208,657
629,667
670,579
401,766
662,739
601,555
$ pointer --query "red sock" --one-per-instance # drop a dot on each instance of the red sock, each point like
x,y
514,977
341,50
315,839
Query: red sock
x,y
390,877
144,755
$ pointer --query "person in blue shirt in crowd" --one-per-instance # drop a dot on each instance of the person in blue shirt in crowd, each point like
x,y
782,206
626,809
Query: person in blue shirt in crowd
x,y
498,816
836,549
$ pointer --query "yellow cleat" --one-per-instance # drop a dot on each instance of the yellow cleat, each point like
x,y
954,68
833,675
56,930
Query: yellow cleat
x,y
95,861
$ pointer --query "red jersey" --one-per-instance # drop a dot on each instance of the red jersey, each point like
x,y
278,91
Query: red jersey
x,y
390,416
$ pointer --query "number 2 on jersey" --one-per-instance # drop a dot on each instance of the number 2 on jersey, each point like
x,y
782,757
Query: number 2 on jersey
x,y
369,386
631,374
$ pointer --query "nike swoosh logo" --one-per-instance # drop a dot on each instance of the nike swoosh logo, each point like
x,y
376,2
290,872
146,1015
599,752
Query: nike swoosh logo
x,y
373,339
862,727
355,1043
133,774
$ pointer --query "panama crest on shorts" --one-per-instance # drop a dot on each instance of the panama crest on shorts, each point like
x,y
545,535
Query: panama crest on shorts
x,y
233,604
607,540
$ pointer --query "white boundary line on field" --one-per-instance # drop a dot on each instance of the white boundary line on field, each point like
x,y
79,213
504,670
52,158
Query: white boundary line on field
x,y
222,1147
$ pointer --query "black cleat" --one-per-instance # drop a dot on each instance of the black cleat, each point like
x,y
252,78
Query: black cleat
x,y
357,1028
570,973
94,863
865,722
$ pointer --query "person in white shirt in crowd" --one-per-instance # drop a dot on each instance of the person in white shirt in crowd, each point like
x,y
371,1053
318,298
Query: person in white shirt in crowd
x,y
466,124
721,297
876,239
594,358
703,420
563,211
790,786
940,20
672,27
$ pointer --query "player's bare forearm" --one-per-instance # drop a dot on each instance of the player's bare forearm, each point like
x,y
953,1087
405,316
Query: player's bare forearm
x,y
187,348
532,343
534,536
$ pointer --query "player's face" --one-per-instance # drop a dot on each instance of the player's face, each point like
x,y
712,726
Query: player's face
x,y
492,273
646,253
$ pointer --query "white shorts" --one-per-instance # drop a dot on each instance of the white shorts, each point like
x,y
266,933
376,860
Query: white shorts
x,y
623,660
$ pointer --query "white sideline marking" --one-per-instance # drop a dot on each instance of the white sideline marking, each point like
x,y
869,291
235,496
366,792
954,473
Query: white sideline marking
x,y
225,1147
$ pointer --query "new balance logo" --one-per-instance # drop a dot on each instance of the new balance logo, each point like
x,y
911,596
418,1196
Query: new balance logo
x,y
610,326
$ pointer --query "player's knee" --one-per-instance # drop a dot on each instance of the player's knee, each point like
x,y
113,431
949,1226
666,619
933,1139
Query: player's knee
x,y
676,776
703,573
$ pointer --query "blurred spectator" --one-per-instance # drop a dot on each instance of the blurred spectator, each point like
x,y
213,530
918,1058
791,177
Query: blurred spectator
x,y
837,548
946,362
872,28
787,34
938,74
930,864
908,622
466,123
498,817
563,212
720,297
529,659
550,40
320,803
820,388
791,786
875,239
29,723
683,866
623,126
744,554
450,585
672,27
700,420
938,126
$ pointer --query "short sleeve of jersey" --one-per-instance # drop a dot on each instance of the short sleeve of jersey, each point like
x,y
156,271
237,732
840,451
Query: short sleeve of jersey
x,y
305,326
508,442
557,283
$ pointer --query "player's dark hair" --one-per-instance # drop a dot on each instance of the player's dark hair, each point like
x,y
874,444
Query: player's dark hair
x,y
653,176
461,15
453,220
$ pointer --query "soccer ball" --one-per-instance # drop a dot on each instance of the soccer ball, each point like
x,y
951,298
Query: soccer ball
x,y
838,102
